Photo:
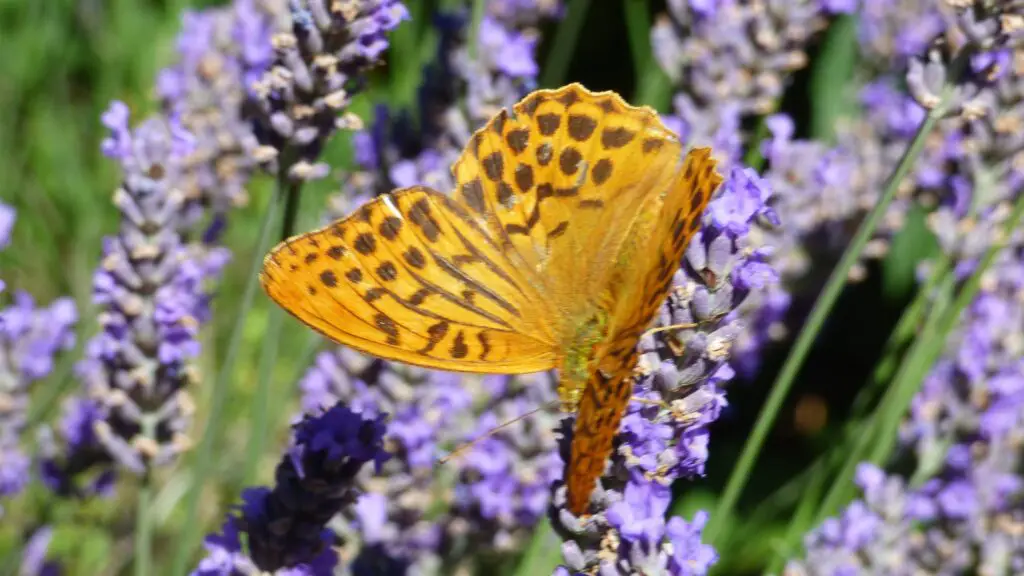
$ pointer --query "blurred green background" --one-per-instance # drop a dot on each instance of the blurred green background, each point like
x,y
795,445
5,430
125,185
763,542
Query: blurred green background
x,y
63,61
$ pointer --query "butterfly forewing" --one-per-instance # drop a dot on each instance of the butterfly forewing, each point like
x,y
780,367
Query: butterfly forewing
x,y
406,277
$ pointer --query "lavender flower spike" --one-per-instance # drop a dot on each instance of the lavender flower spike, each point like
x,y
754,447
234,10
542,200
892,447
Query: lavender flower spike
x,y
33,557
681,373
286,525
152,288
960,509
7,216
316,71
30,337
221,53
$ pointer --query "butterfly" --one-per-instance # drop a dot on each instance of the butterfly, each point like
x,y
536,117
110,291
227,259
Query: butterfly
x,y
570,217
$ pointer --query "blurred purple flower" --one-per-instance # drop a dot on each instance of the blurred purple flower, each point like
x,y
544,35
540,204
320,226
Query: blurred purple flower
x,y
221,52
152,286
962,435
30,338
33,556
7,216
512,52
504,478
731,60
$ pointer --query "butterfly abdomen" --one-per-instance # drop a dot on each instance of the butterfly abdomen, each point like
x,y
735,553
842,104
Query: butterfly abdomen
x,y
602,405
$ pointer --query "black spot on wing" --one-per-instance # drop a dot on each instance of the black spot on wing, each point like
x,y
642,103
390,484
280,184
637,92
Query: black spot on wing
x,y
459,349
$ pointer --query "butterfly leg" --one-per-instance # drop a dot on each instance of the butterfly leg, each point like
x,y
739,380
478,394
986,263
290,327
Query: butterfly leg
x,y
684,326
657,329
676,347
650,402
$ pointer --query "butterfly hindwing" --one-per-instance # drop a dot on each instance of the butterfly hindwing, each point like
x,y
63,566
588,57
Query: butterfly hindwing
x,y
643,274
555,181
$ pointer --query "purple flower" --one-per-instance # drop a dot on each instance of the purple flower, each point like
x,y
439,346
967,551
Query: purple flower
x,y
524,13
221,52
315,72
30,338
286,525
512,52
389,521
741,202
7,217
645,543
505,476
732,55
224,554
502,480
681,373
118,145
33,556
152,286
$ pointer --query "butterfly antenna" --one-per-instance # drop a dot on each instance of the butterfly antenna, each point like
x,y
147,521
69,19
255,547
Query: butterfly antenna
x,y
685,326
463,447
669,327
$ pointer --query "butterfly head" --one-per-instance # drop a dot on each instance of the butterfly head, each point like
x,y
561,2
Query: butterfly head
x,y
579,358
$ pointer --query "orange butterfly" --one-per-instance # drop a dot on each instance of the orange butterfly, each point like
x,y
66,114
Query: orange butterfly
x,y
556,249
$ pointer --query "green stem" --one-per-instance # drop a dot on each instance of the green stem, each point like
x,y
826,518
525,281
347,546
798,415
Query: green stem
x,y
46,398
406,58
803,514
931,353
653,86
143,553
638,32
291,191
260,424
543,553
832,78
905,331
566,36
892,405
479,7
754,157
189,538
809,334
144,528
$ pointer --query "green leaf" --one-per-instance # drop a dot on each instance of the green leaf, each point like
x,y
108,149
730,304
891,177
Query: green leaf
x,y
910,246
568,32
831,84
653,86
543,553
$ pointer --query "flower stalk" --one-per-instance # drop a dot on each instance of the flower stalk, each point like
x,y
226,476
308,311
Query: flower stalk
x,y
822,307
